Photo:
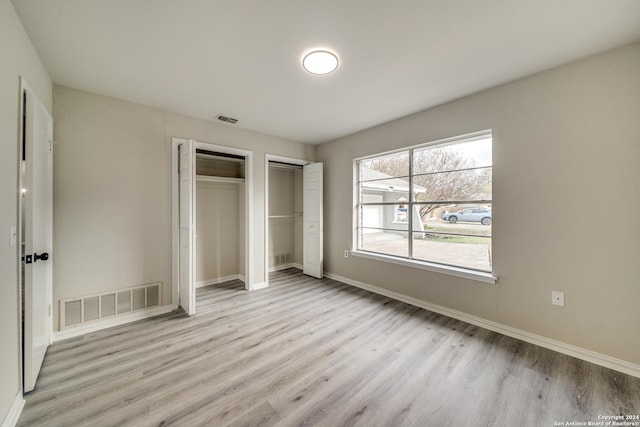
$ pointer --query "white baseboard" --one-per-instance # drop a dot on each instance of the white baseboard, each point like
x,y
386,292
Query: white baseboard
x,y
111,322
298,266
219,280
256,286
559,346
14,412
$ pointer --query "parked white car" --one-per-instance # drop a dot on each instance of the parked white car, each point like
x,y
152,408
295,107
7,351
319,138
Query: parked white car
x,y
481,215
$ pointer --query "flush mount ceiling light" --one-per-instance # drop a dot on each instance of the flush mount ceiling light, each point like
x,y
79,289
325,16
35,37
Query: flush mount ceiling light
x,y
320,62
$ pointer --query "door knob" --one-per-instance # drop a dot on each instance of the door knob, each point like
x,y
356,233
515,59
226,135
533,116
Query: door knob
x,y
42,257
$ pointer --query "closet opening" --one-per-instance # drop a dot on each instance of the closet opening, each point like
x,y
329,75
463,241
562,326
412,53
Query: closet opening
x,y
285,245
212,209
293,216
219,217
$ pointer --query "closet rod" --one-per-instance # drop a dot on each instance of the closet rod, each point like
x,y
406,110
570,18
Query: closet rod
x,y
220,179
217,155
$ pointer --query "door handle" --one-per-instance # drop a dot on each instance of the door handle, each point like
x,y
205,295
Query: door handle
x,y
42,257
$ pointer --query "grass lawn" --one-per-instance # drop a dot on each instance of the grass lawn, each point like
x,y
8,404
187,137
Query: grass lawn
x,y
456,239
482,231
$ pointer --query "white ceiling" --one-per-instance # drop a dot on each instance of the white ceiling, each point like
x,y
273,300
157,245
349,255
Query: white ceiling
x,y
242,58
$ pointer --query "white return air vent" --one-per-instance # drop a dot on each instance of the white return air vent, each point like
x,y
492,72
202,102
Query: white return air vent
x,y
81,310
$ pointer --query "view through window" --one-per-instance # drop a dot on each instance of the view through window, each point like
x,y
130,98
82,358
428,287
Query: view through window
x,y
429,203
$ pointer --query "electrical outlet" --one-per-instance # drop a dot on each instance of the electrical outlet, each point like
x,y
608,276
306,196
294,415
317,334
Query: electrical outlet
x,y
557,298
346,253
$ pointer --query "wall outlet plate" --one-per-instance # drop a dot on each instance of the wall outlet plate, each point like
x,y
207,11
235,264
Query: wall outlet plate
x,y
346,253
557,298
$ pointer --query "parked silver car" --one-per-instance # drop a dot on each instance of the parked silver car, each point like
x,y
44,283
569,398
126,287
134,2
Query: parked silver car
x,y
481,215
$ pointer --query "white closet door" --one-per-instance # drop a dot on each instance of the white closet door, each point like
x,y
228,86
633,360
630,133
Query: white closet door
x,y
38,242
312,220
187,227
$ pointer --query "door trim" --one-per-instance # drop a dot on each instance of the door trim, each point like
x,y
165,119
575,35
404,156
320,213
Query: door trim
x,y
12,417
175,225
269,158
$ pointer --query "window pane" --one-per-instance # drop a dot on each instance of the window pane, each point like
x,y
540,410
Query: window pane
x,y
385,191
455,156
462,251
474,184
389,242
384,216
381,167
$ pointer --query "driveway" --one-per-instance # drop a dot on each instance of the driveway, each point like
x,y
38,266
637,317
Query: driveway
x,y
471,255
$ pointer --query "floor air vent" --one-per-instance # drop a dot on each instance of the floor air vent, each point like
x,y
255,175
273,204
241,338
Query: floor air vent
x,y
79,311
282,259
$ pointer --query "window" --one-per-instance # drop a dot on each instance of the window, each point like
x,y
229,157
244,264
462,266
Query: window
x,y
430,203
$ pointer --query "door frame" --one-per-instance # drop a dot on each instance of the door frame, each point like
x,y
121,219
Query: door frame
x,y
175,209
269,158
26,89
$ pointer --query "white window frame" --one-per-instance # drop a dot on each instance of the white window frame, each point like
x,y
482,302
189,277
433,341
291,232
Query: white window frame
x,y
467,273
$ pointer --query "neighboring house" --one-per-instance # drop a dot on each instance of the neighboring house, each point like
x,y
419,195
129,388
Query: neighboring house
x,y
382,188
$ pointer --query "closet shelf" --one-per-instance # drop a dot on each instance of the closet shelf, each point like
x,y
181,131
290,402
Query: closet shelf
x,y
206,178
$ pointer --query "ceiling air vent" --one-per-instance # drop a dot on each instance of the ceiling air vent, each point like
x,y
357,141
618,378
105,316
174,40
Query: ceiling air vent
x,y
227,119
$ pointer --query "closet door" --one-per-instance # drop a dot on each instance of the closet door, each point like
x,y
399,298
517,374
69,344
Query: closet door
x,y
312,220
187,227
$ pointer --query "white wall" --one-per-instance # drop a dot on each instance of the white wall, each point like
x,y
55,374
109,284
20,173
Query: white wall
x,y
566,193
18,58
218,228
112,190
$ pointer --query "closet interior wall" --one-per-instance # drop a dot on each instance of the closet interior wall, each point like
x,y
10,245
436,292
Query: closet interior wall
x,y
285,216
220,222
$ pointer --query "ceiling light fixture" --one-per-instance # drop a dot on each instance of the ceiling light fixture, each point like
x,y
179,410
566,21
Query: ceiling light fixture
x,y
320,62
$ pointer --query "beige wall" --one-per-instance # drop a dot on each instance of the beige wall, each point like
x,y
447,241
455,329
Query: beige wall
x,y
111,196
112,190
566,194
218,223
18,58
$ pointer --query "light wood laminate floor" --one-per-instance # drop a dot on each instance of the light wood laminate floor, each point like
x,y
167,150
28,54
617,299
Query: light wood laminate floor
x,y
315,352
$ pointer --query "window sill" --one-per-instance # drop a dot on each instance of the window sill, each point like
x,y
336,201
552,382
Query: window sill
x,y
424,265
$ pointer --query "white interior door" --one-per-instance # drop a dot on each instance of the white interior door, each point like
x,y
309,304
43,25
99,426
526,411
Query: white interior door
x,y
187,220
37,189
312,220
